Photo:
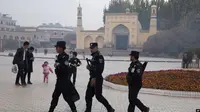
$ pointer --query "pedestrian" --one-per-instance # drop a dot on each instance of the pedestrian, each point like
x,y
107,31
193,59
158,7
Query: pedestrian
x,y
36,51
83,55
20,59
134,79
63,85
30,58
74,63
185,61
46,70
45,51
94,87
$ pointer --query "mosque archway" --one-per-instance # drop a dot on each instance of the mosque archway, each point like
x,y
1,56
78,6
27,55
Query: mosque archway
x,y
87,42
120,37
100,41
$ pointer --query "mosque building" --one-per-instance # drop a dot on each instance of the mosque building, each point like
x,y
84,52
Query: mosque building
x,y
121,31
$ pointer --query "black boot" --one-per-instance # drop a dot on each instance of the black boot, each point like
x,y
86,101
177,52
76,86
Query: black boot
x,y
29,82
111,110
147,109
51,109
74,110
87,110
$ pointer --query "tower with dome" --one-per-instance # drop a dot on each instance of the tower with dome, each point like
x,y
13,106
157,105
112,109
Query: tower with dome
x,y
121,31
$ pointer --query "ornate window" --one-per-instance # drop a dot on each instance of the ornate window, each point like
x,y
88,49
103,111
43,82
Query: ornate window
x,y
34,37
22,38
16,38
11,37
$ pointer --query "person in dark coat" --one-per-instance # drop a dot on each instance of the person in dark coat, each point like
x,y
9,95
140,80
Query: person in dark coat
x,y
20,59
45,51
134,79
30,58
74,63
96,68
185,61
63,85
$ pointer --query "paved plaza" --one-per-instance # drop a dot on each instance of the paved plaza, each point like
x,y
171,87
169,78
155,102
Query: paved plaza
x,y
37,97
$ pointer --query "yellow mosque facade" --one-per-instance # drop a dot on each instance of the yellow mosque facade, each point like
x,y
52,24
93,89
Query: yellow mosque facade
x,y
121,31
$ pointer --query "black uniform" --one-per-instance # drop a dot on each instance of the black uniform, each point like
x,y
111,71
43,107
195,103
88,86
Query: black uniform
x,y
96,70
134,78
22,63
74,63
63,84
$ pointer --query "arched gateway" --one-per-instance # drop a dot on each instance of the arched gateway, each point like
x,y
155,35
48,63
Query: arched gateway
x,y
87,42
120,37
100,41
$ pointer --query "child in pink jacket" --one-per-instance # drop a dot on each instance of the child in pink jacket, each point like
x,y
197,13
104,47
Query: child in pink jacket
x,y
46,71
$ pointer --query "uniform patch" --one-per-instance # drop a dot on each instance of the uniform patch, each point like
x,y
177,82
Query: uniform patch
x,y
100,60
138,70
66,63
132,70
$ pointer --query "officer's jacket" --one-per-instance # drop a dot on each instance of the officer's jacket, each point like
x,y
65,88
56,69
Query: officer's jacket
x,y
97,65
74,62
135,72
62,66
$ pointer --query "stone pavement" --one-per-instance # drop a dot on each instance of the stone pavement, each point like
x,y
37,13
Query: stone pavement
x,y
37,97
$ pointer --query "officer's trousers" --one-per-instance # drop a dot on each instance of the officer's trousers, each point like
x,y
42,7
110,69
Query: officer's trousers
x,y
73,72
56,94
97,91
133,100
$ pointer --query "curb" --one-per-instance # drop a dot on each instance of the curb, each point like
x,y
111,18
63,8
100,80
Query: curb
x,y
120,60
155,91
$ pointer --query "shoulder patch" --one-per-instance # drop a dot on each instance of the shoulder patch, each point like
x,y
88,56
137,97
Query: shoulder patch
x,y
100,60
132,70
66,63
138,70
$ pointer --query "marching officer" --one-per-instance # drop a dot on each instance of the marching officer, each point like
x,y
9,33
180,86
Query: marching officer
x,y
63,84
94,86
74,63
134,79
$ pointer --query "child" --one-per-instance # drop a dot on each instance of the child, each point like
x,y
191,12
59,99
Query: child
x,y
46,70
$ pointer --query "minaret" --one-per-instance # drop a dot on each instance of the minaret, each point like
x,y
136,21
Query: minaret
x,y
79,16
153,21
79,27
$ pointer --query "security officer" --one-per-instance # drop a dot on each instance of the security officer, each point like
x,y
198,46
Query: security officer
x,y
74,63
63,84
134,79
94,87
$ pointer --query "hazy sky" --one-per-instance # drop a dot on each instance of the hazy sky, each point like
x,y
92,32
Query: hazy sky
x,y
35,12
